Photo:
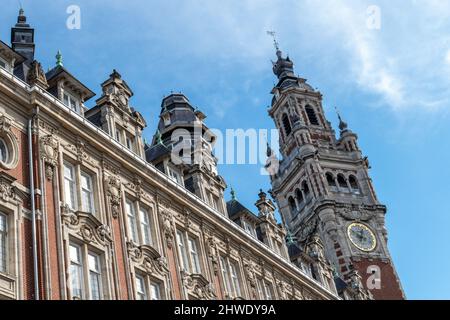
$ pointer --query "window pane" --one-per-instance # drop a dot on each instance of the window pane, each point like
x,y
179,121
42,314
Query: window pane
x,y
69,186
235,279
194,256
182,248
76,273
155,292
225,276
3,151
95,277
145,227
141,293
87,195
3,230
129,207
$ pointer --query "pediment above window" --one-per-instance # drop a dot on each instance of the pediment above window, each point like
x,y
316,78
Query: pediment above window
x,y
87,226
198,286
148,258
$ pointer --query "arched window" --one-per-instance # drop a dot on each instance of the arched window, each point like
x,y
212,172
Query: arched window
x,y
342,183
311,116
331,181
299,196
305,189
286,124
3,151
354,184
292,205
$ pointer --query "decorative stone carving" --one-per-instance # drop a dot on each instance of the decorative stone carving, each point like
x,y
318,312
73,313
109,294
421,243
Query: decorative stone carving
x,y
168,227
211,247
113,190
5,124
7,190
36,75
355,214
249,268
79,149
89,228
282,290
309,228
49,153
198,286
148,259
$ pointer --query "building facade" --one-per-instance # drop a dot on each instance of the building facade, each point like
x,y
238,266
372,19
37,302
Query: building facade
x,y
88,210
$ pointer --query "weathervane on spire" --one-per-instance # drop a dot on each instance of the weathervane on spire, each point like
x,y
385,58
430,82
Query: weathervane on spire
x,y
273,34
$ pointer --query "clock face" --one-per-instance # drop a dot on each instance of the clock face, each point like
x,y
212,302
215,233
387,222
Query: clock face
x,y
362,237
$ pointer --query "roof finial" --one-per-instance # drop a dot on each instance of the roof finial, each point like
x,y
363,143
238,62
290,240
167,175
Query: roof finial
x,y
273,34
158,137
342,124
59,59
233,194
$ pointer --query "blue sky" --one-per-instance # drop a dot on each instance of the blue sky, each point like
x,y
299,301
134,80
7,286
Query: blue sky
x,y
391,85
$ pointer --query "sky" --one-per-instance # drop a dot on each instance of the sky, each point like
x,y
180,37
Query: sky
x,y
390,78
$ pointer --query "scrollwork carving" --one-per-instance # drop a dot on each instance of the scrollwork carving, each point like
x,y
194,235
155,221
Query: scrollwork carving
x,y
49,154
113,190
148,259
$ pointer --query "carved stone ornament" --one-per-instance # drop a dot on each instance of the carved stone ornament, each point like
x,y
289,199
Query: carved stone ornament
x,y
7,190
249,268
198,286
212,250
49,154
168,228
113,190
310,228
5,124
282,290
89,228
355,214
148,259
36,75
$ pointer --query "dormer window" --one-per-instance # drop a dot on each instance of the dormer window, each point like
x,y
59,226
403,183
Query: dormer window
x,y
174,175
71,102
249,228
4,64
129,142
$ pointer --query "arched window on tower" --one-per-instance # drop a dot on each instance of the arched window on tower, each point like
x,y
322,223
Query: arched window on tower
x,y
312,116
299,196
354,185
292,206
306,191
286,124
331,182
342,183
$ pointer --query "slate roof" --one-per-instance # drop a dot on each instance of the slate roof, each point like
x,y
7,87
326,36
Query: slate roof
x,y
58,70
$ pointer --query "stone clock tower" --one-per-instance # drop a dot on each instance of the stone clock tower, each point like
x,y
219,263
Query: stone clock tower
x,y
323,188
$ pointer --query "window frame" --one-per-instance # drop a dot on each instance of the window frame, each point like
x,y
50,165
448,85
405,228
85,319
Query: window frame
x,y
231,276
83,264
78,172
4,249
189,262
71,98
148,283
136,232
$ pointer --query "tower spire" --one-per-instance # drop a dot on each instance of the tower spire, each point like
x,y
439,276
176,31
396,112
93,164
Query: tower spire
x,y
275,42
342,124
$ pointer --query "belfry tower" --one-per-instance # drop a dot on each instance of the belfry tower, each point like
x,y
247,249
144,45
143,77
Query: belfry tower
x,y
323,188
